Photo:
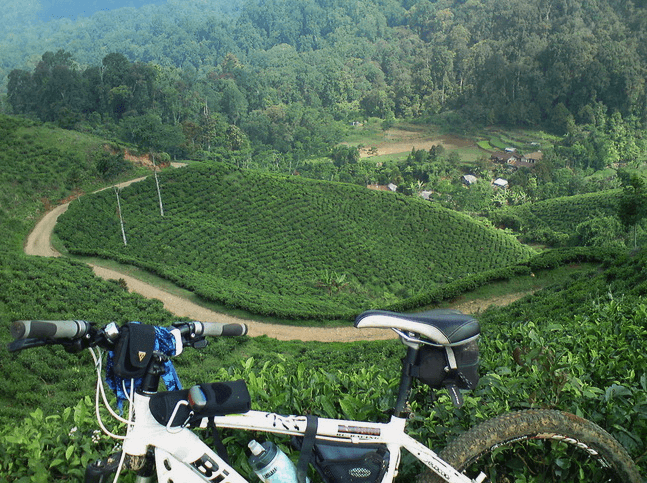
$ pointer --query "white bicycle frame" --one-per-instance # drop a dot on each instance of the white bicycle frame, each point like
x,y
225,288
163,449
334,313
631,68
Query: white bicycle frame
x,y
180,455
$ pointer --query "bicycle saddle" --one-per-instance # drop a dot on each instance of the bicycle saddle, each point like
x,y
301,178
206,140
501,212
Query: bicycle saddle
x,y
440,326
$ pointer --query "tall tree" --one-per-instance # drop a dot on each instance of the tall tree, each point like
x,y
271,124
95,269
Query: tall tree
x,y
633,203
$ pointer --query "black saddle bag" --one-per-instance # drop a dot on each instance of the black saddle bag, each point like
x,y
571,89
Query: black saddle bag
x,y
444,366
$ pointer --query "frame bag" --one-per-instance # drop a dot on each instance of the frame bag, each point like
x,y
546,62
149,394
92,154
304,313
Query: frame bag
x,y
347,462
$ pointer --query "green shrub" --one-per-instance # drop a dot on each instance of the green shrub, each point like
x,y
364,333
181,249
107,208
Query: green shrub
x,y
45,448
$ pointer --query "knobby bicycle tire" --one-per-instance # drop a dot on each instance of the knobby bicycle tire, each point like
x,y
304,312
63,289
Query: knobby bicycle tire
x,y
541,445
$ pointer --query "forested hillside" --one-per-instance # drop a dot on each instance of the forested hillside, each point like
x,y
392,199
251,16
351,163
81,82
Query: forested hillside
x,y
279,69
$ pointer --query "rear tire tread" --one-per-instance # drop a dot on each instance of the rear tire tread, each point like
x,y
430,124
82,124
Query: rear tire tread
x,y
482,438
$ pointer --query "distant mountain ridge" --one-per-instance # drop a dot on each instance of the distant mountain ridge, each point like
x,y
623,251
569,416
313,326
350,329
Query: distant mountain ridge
x,y
523,62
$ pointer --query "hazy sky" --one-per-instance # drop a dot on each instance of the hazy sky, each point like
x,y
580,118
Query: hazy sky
x,y
54,9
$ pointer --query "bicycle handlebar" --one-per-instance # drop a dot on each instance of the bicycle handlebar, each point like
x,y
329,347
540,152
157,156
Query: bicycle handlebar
x,y
79,334
216,329
49,329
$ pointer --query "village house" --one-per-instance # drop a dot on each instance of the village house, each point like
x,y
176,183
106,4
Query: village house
x,y
535,157
517,160
503,157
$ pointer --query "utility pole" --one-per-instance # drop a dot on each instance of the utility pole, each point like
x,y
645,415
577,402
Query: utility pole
x,y
157,183
121,220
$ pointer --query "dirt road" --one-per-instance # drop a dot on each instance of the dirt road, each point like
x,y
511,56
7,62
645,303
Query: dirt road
x,y
39,244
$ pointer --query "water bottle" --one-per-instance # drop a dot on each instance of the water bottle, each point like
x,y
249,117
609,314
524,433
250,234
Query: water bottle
x,y
271,464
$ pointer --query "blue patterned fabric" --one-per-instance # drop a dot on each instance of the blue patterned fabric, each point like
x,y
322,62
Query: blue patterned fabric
x,y
164,343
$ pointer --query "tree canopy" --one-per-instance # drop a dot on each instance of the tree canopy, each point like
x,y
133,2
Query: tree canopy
x,y
517,62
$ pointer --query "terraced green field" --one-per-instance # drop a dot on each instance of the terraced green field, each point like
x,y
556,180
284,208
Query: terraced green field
x,y
285,246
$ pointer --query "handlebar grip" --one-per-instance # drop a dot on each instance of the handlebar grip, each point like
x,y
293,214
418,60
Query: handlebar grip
x,y
216,329
49,329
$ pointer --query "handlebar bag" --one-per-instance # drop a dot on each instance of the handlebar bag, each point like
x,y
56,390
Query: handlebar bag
x,y
223,398
134,350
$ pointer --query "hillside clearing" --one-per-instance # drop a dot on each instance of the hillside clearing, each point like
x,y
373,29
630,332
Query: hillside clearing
x,y
404,139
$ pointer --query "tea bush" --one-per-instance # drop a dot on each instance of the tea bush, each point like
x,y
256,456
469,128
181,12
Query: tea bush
x,y
44,448
269,244
553,222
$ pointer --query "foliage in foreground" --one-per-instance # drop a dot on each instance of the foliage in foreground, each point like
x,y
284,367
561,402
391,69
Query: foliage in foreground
x,y
569,364
577,346
57,289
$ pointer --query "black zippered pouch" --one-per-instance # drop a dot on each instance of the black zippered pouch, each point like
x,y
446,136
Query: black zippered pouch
x,y
134,350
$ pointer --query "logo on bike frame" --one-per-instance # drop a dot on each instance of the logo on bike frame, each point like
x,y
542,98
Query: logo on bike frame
x,y
208,468
358,430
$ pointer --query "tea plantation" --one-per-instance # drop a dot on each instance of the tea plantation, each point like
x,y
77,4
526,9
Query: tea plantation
x,y
555,221
286,246
576,346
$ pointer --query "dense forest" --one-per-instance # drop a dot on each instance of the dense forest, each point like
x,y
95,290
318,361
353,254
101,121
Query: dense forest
x,y
286,75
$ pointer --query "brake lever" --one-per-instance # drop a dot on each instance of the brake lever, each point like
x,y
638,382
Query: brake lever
x,y
22,344
198,343
187,329
74,346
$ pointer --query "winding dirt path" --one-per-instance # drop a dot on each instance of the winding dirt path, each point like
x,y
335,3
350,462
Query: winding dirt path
x,y
39,244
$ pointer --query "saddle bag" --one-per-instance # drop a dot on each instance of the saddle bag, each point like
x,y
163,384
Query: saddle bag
x,y
443,366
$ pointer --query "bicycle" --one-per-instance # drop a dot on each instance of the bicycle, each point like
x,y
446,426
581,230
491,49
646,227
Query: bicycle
x,y
441,351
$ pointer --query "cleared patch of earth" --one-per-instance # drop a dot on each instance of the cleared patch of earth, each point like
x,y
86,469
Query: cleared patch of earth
x,y
401,140
39,244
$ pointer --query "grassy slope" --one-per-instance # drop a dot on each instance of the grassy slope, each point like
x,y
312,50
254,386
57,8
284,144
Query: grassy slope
x,y
267,243
40,165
